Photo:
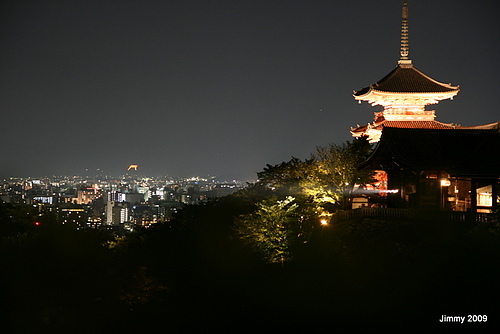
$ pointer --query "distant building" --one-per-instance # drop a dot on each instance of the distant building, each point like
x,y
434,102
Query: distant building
x,y
117,213
87,195
224,189
133,198
76,214
116,196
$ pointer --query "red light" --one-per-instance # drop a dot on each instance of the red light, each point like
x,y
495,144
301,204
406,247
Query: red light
x,y
38,223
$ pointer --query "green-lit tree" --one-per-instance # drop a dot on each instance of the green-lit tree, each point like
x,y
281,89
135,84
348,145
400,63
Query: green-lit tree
x,y
327,178
336,171
273,228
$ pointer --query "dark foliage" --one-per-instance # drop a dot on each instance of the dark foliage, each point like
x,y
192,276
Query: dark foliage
x,y
193,275
285,177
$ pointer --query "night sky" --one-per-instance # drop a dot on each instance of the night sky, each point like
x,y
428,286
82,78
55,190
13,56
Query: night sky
x,y
219,88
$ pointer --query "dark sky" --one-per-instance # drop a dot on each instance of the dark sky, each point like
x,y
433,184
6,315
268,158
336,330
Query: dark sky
x,y
219,87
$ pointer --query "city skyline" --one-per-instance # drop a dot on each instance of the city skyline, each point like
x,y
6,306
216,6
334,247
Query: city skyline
x,y
219,88
99,175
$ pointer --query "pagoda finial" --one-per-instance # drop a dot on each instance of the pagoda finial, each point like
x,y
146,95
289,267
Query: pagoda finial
x,y
405,43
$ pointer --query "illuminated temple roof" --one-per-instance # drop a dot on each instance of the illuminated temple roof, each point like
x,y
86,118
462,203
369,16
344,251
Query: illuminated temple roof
x,y
405,78
405,125
404,94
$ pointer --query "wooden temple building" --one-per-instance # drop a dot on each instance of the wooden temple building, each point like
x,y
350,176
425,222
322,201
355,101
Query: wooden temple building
x,y
427,164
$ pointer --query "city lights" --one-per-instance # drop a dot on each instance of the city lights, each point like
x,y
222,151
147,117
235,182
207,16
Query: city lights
x,y
120,202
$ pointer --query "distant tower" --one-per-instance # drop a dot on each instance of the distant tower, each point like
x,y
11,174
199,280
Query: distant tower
x,y
403,93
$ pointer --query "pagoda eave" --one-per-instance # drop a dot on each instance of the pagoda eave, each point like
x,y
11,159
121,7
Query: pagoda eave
x,y
377,97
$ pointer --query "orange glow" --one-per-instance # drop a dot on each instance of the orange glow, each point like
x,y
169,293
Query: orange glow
x,y
134,167
445,183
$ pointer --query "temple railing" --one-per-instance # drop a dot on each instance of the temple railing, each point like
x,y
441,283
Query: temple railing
x,y
392,213
340,216
471,217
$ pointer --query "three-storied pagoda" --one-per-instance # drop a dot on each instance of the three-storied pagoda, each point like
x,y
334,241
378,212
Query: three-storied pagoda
x,y
404,94
420,162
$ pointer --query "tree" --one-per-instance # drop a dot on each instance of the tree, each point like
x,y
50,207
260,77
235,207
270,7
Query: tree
x,y
311,189
287,177
273,228
337,172
326,179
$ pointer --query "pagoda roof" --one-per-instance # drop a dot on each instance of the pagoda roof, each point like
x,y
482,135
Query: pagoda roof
x,y
405,125
489,126
405,78
460,152
380,125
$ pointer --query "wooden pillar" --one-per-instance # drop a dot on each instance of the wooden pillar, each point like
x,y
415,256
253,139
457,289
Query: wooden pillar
x,y
473,195
394,182
401,188
494,194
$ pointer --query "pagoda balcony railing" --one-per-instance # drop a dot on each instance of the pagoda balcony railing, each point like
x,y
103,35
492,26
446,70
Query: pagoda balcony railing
x,y
408,112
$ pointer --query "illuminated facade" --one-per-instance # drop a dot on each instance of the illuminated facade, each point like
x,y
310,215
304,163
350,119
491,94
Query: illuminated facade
x,y
404,94
117,213
439,169
429,164
87,195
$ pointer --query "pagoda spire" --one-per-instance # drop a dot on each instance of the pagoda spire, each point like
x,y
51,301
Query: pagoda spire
x,y
405,42
404,94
